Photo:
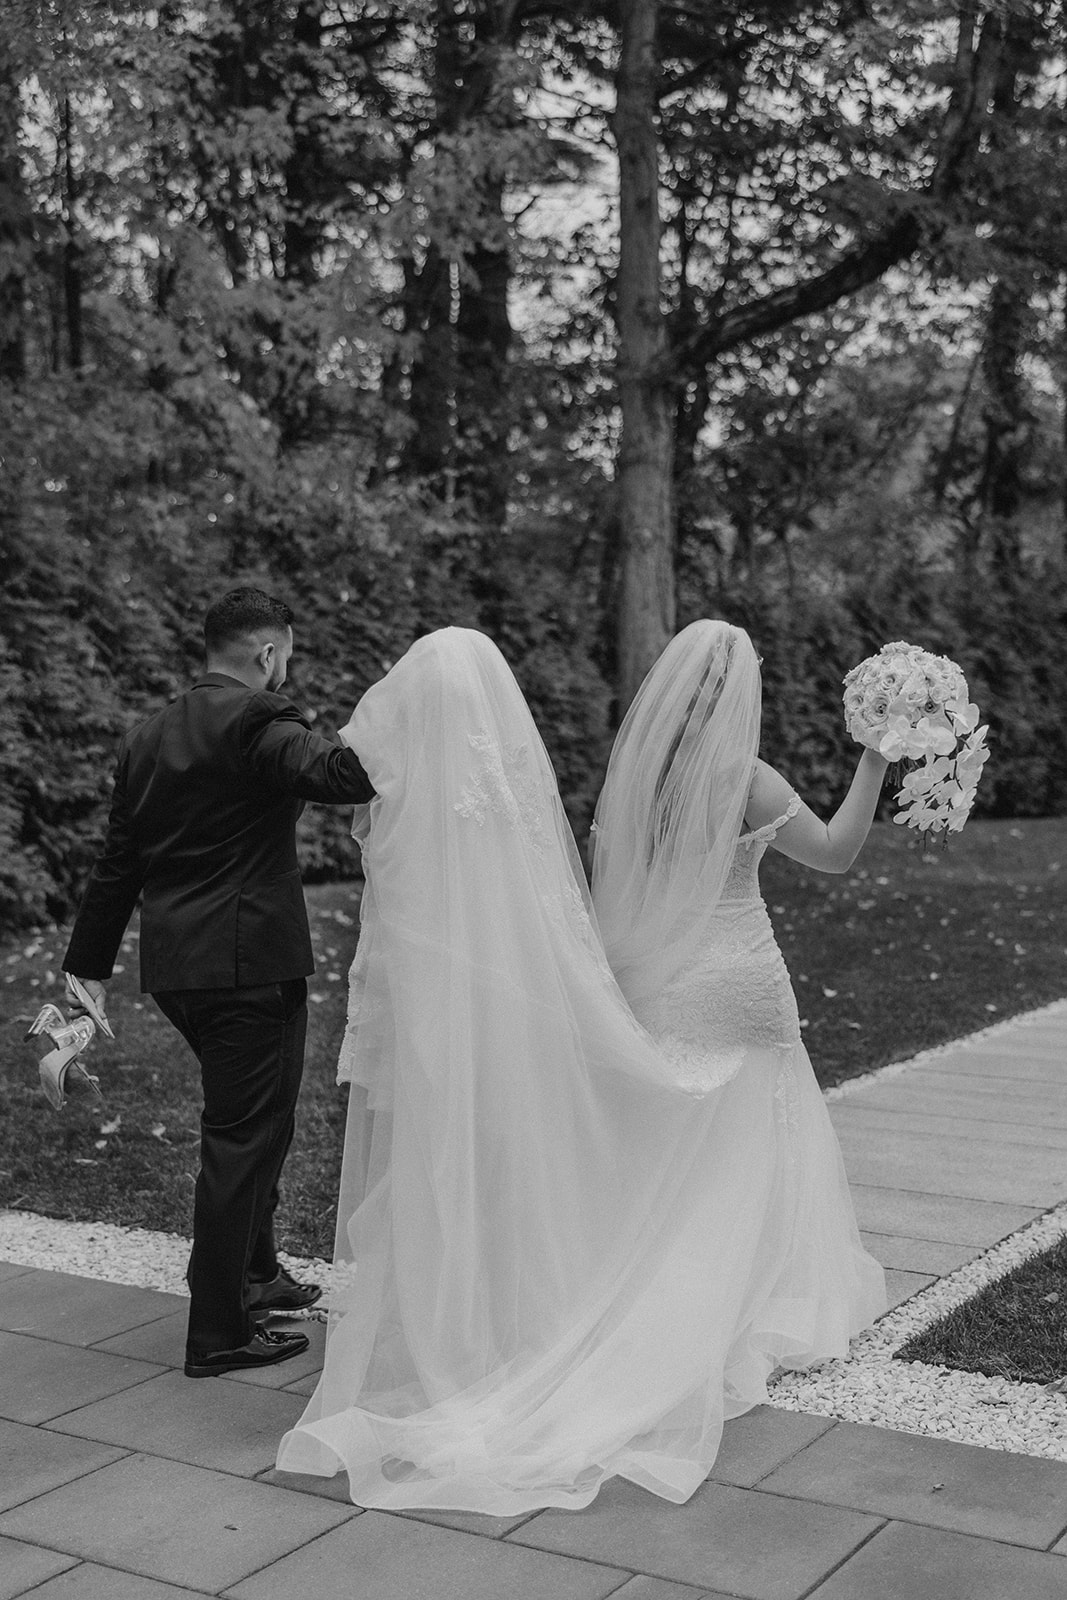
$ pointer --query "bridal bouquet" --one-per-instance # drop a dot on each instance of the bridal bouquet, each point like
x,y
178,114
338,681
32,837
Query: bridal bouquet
x,y
912,706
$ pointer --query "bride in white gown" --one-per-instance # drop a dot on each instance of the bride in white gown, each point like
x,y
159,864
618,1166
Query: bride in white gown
x,y
563,1253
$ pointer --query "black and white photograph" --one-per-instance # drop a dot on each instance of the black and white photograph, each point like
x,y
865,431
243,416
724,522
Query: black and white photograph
x,y
533,799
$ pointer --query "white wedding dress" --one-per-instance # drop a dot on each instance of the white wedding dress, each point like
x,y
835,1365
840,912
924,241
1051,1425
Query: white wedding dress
x,y
564,1252
732,1009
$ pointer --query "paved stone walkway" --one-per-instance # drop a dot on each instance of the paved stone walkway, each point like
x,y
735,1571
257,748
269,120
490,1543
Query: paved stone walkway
x,y
122,1480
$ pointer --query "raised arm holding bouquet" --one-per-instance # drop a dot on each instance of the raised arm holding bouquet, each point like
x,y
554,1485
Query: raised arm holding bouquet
x,y
910,705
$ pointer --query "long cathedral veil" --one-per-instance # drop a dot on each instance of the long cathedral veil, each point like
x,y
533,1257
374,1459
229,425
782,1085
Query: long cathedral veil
x,y
673,804
518,1309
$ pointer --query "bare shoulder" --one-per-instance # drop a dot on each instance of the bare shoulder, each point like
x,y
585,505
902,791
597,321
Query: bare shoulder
x,y
769,796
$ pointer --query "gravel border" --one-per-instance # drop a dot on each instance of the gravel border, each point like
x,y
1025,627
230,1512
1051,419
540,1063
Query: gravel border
x,y
869,1385
113,1254
866,1386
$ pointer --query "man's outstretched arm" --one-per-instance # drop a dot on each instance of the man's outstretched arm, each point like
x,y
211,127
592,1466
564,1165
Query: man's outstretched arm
x,y
280,746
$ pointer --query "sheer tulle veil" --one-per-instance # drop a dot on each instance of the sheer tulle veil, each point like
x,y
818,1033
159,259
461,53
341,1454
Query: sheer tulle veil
x,y
516,1143
555,1265
673,803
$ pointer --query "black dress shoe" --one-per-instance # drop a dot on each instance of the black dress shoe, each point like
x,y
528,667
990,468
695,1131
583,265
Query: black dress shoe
x,y
262,1350
280,1294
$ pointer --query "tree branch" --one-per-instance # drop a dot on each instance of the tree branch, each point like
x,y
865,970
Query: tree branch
x,y
866,262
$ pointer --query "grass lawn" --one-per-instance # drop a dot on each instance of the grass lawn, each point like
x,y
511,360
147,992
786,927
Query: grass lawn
x,y
1015,1328
902,953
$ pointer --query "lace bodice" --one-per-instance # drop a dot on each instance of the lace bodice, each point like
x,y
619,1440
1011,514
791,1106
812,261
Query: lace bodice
x,y
735,995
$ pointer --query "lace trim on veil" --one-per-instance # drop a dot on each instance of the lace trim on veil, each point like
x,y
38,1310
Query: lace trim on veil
x,y
503,785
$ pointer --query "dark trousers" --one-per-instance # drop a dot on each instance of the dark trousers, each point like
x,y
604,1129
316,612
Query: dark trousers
x,y
250,1046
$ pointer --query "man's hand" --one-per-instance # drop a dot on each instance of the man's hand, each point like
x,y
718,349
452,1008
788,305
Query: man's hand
x,y
95,1004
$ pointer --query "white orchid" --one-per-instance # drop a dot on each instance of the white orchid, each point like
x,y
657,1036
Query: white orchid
x,y
911,705
964,716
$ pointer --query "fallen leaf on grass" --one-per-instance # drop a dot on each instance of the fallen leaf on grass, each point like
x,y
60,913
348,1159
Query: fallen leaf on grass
x,y
160,1132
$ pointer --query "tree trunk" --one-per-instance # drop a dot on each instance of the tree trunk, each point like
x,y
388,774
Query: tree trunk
x,y
304,169
16,237
483,338
483,327
72,265
1063,385
1007,417
429,309
645,617
431,405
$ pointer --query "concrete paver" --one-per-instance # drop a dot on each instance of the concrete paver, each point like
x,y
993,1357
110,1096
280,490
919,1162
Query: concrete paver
x,y
753,1445
121,1480
900,1286
658,1589
32,1461
208,1423
57,1305
161,1341
88,1581
183,1525
469,1521
335,1488
1005,1131
40,1380
944,1163
950,1219
945,1095
1037,1062
905,1562
994,1493
742,1541
24,1566
931,1256
400,1559
305,1385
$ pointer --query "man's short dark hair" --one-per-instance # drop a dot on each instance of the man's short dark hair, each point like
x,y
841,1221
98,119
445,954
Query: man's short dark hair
x,y
240,613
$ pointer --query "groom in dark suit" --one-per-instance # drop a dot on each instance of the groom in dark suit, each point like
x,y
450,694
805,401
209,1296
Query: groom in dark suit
x,y
203,827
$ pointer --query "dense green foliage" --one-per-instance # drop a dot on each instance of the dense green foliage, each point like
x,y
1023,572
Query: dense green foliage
x,y
322,298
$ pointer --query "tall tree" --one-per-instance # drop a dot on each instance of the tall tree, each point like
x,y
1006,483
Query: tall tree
x,y
645,465
16,233
806,270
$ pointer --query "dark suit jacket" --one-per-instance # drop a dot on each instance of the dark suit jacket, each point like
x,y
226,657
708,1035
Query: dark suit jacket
x,y
203,824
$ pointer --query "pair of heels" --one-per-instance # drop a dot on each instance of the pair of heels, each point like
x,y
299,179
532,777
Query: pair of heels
x,y
69,1039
